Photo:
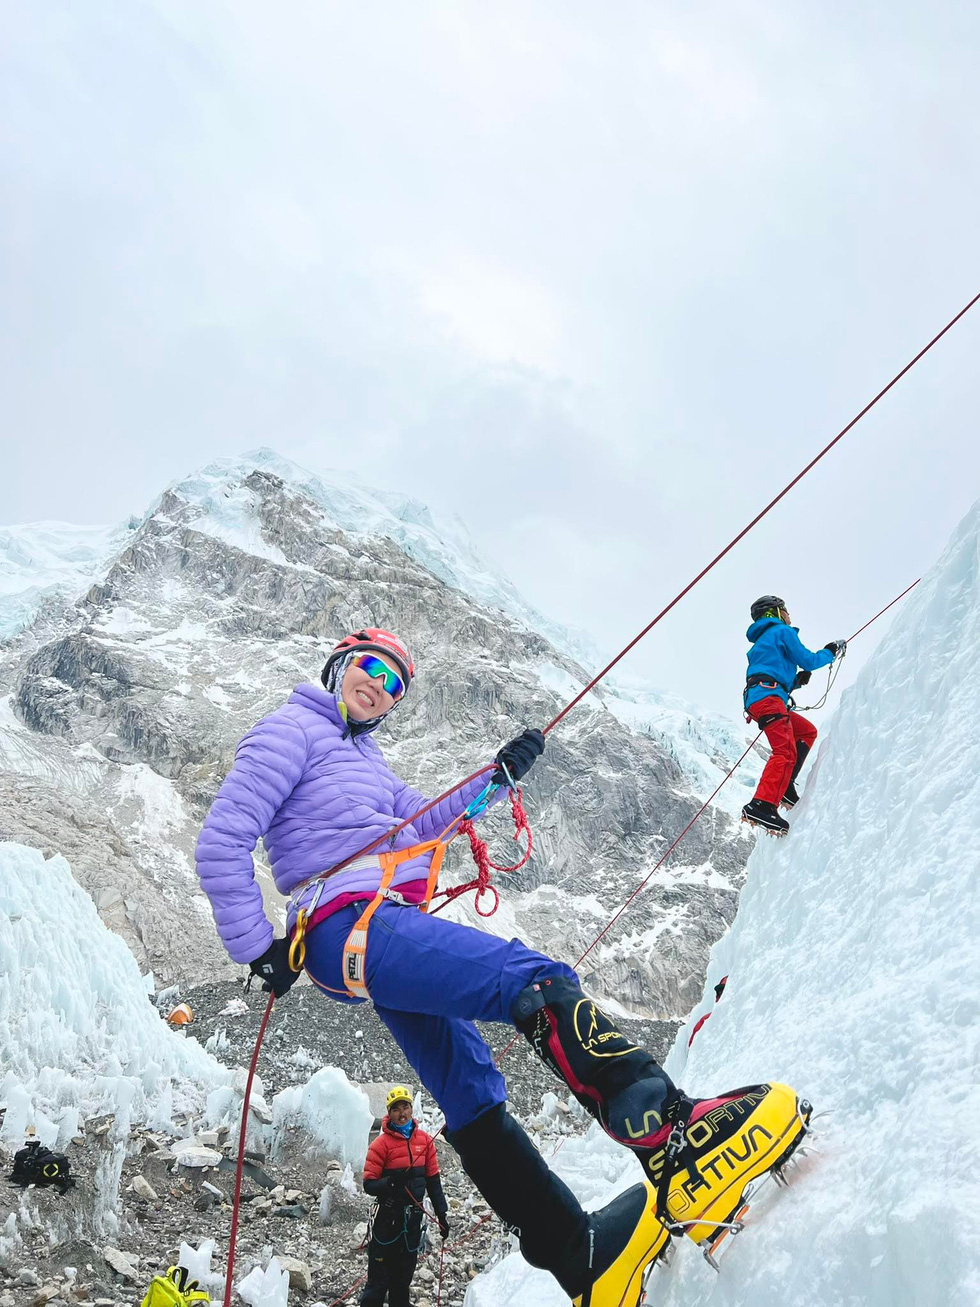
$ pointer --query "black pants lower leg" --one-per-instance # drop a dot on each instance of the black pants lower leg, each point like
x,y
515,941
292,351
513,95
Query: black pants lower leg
x,y
802,749
515,1180
620,1084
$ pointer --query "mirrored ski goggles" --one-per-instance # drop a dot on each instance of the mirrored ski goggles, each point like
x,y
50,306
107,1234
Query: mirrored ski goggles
x,y
376,669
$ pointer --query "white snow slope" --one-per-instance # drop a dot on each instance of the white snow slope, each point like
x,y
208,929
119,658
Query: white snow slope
x,y
855,976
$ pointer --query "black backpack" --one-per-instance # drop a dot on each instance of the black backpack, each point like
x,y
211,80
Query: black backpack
x,y
35,1164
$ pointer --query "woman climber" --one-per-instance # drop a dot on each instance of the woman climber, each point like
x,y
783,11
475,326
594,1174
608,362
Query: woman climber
x,y
310,781
774,657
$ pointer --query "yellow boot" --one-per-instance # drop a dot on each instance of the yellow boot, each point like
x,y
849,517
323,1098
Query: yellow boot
x,y
723,1145
625,1238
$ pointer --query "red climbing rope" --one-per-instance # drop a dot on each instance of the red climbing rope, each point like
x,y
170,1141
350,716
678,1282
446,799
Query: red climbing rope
x,y
521,822
242,1135
885,609
759,516
481,856
452,1247
482,883
396,830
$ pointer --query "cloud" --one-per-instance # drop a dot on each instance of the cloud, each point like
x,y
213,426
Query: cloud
x,y
600,279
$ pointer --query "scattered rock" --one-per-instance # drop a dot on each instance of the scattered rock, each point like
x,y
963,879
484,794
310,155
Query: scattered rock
x,y
45,1295
142,1187
209,1138
260,1109
196,1157
295,1211
358,1234
26,1276
300,1275
123,1264
235,1007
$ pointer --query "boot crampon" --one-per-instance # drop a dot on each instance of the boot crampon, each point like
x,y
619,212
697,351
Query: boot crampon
x,y
699,1155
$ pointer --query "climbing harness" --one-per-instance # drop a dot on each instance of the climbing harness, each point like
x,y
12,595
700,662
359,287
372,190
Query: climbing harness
x,y
403,1233
355,948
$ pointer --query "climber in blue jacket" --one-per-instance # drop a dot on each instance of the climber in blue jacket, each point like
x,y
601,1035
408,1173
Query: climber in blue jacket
x,y
779,663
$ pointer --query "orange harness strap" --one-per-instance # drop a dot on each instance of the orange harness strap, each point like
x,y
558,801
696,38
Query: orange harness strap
x,y
356,946
355,949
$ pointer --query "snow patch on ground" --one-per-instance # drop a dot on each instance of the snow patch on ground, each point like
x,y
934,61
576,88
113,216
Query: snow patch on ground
x,y
854,976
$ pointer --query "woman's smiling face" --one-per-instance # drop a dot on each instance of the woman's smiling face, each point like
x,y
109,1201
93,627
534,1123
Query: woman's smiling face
x,y
364,696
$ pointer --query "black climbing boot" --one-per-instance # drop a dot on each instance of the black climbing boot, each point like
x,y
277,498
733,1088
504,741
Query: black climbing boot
x,y
766,815
791,798
598,1258
627,1092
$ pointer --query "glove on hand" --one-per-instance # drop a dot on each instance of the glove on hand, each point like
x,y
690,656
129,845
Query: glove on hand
x,y
802,678
443,1220
837,647
518,756
273,968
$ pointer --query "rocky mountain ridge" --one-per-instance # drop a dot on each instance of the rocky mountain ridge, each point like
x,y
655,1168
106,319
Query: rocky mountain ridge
x,y
124,705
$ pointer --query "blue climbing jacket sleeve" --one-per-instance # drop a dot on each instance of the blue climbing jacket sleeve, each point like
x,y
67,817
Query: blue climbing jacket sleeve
x,y
778,651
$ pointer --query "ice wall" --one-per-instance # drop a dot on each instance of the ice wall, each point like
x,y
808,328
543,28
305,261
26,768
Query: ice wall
x,y
854,974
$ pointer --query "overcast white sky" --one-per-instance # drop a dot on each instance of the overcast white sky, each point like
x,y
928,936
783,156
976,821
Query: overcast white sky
x,y
598,277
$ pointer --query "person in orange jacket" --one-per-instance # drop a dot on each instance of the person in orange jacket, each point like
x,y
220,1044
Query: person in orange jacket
x,y
400,1169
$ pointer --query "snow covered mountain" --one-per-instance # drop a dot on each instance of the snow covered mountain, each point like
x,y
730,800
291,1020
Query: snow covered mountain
x,y
126,694
44,562
853,975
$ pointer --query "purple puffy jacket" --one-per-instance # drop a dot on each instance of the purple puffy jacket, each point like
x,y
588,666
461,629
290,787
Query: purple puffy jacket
x,y
315,794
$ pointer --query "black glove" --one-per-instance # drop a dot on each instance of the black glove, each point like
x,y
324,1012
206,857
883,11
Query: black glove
x,y
518,756
837,647
273,968
443,1220
802,678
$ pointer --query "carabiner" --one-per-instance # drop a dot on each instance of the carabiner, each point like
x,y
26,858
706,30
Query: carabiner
x,y
297,948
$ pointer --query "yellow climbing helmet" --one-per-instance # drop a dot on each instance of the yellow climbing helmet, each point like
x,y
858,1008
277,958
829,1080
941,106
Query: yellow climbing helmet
x,y
398,1094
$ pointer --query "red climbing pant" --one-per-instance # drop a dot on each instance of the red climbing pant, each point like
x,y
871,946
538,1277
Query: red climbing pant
x,y
782,734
